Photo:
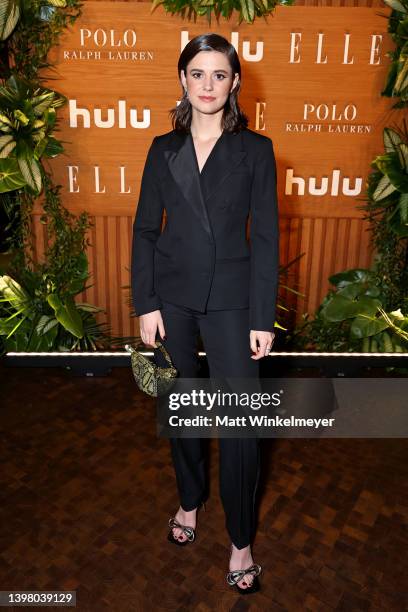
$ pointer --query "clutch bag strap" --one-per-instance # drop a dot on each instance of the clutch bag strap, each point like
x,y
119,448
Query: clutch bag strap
x,y
165,353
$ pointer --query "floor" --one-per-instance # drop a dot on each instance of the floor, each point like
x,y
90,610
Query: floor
x,y
87,489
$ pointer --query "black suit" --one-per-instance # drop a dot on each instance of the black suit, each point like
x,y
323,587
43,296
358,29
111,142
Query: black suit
x,y
202,259
206,279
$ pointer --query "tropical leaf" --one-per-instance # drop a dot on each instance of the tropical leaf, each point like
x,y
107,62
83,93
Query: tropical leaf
x,y
5,122
41,103
396,5
9,16
50,116
402,79
13,292
248,10
341,308
42,342
38,123
398,178
67,314
387,317
403,207
367,325
88,307
403,155
38,137
391,140
10,175
384,189
40,146
59,100
352,290
45,323
30,170
7,144
21,117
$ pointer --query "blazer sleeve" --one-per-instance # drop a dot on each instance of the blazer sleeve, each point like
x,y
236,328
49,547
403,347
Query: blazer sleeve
x,y
264,241
146,231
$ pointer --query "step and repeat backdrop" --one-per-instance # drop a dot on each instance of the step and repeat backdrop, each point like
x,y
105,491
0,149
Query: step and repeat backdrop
x,y
312,80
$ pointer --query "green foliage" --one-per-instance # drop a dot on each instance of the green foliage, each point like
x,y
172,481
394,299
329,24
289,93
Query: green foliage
x,y
38,311
34,318
27,121
356,316
248,10
29,29
351,318
386,211
66,264
387,186
397,78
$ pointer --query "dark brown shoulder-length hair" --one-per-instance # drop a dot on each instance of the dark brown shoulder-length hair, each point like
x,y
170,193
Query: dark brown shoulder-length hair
x,y
233,118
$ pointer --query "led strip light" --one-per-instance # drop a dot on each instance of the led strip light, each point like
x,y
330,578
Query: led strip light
x,y
200,353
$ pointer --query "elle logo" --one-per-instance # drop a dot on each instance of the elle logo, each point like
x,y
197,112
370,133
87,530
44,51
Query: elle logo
x,y
337,185
112,117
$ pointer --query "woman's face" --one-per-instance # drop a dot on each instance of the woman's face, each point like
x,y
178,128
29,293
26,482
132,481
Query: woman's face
x,y
209,81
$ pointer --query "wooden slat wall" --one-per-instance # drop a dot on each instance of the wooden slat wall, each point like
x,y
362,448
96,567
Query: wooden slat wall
x,y
330,245
109,265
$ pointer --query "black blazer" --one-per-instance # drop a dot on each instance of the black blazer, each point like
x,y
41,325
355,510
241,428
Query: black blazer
x,y
202,258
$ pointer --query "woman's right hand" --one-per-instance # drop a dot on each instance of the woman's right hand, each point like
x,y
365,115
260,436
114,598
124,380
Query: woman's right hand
x,y
149,324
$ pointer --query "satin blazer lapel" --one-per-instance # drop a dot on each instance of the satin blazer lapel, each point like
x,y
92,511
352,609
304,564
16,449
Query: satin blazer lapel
x,y
197,188
182,164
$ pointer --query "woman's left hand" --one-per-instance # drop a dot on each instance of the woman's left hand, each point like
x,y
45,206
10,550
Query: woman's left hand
x,y
264,339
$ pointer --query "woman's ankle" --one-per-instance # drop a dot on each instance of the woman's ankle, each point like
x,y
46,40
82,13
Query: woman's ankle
x,y
187,511
240,551
188,516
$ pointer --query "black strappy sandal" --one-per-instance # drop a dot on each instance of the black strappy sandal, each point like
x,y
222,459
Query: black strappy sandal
x,y
188,531
235,576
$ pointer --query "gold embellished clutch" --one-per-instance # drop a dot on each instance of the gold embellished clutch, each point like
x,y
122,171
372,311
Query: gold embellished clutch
x,y
151,378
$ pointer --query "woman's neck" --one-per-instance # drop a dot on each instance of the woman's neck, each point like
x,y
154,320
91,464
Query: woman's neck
x,y
206,127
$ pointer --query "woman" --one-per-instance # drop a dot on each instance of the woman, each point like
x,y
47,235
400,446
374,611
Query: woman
x,y
200,276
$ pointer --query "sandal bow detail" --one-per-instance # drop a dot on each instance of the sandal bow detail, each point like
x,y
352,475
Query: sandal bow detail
x,y
235,576
188,531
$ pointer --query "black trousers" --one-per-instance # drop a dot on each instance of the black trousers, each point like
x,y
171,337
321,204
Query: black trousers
x,y
225,336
